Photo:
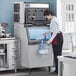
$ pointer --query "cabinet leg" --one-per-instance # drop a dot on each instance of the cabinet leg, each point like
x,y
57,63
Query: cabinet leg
x,y
29,72
49,68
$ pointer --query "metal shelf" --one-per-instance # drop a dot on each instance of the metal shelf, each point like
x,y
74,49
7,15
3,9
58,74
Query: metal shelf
x,y
2,53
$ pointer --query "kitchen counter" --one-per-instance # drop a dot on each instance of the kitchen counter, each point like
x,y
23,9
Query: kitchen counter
x,y
66,66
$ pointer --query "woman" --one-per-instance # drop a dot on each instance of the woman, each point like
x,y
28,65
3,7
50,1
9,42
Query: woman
x,y
56,36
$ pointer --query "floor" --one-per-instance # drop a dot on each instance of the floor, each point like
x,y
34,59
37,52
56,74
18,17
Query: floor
x,y
34,72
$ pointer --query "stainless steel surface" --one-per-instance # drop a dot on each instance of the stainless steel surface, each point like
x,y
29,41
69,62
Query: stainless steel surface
x,y
8,56
28,54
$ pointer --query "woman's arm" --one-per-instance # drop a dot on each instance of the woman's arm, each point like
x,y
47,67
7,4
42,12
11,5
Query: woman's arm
x,y
54,30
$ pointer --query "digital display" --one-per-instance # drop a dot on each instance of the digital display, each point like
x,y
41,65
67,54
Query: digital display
x,y
36,33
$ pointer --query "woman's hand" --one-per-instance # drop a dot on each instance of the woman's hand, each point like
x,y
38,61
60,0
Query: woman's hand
x,y
44,33
48,42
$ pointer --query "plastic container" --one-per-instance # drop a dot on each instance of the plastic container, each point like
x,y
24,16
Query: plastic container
x,y
43,47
